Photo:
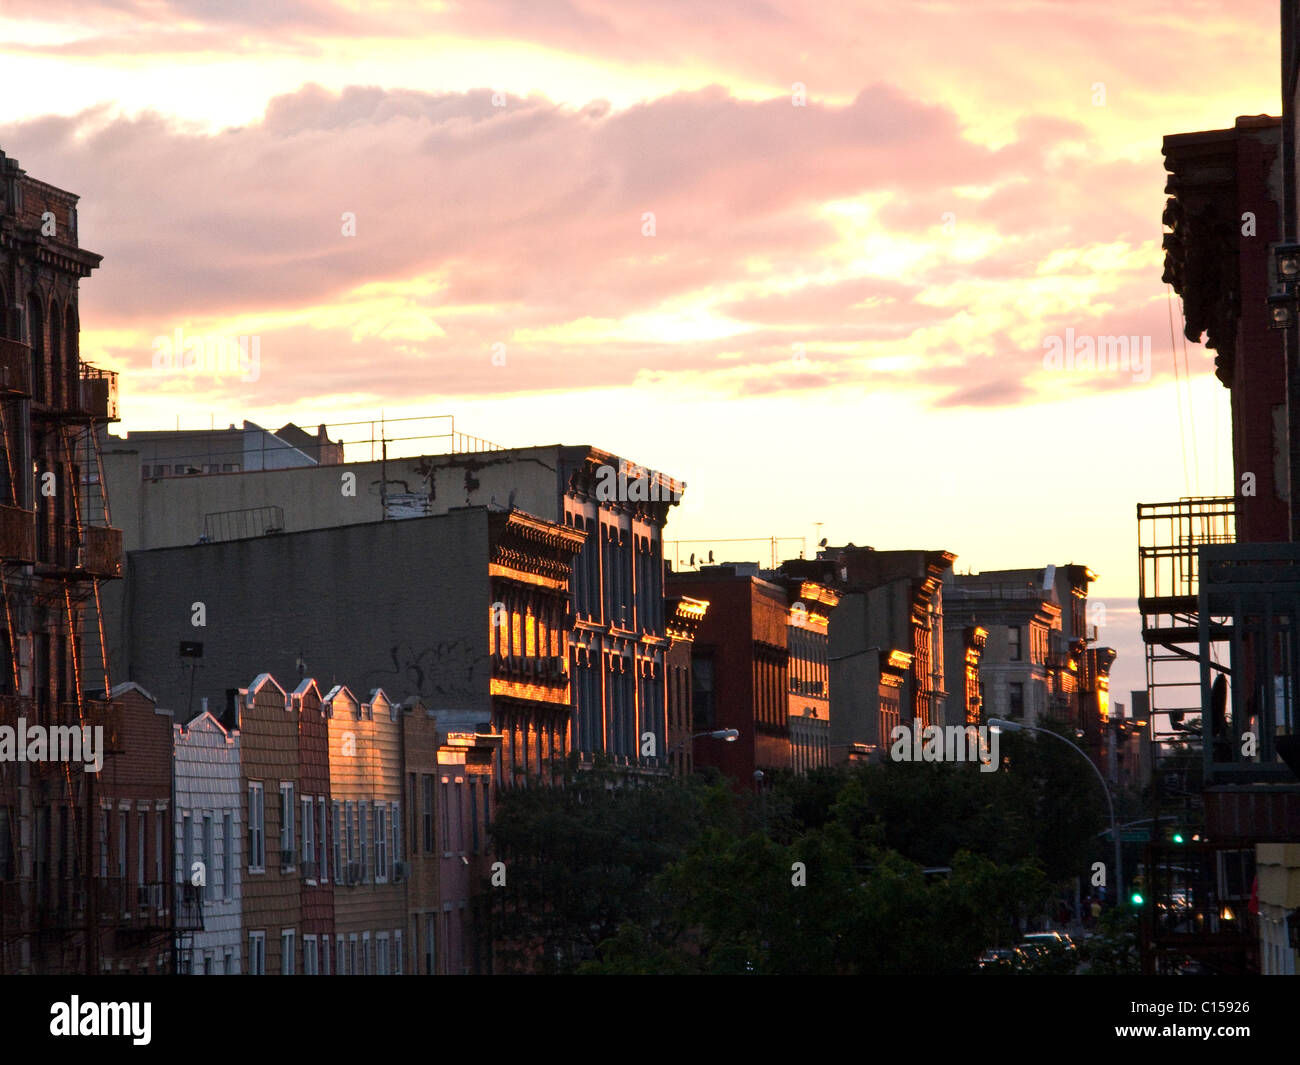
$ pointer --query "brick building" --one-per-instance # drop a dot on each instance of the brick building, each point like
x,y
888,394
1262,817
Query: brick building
x,y
365,771
684,615
56,547
313,829
448,761
466,610
886,643
269,772
740,669
614,511
808,639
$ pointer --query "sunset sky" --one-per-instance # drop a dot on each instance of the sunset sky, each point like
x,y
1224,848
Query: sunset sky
x,y
841,314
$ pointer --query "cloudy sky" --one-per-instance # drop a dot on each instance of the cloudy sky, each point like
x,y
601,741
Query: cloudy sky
x,y
806,257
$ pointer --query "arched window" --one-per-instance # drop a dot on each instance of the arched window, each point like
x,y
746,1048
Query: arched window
x,y
36,338
56,355
72,355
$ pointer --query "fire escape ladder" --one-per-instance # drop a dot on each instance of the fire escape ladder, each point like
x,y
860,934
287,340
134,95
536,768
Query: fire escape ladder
x,y
9,457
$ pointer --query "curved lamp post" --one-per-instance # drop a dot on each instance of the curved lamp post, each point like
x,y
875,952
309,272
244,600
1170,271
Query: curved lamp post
x,y
1015,726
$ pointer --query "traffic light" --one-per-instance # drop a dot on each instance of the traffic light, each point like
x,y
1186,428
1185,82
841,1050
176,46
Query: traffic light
x,y
1177,837
1136,898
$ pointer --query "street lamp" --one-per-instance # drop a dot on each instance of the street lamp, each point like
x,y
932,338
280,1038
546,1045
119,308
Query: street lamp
x,y
999,725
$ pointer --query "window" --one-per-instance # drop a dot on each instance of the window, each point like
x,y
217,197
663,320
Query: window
x,y
1013,643
159,828
227,855
367,955
364,818
397,833
702,693
413,804
430,957
257,953
473,814
322,863
286,951
338,842
1016,706
352,955
142,835
446,816
288,837
309,837
7,870
381,842
121,847
256,831
228,962
324,955
187,846
208,853
429,843
398,960
340,957
310,961
103,844
350,821
382,950
460,813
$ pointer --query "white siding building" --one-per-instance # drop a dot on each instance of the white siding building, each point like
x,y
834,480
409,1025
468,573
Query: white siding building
x,y
208,828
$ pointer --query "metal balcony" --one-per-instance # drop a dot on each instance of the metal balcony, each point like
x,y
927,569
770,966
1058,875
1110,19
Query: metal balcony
x,y
99,393
101,551
91,552
15,370
12,707
17,534
90,397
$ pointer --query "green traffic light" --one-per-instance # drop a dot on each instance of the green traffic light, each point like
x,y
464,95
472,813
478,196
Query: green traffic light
x,y
1178,837
1136,899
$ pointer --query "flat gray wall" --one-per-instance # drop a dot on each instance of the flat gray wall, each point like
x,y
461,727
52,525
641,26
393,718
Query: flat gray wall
x,y
402,605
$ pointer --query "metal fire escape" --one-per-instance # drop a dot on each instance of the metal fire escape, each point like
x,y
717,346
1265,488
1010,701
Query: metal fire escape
x,y
1169,535
53,556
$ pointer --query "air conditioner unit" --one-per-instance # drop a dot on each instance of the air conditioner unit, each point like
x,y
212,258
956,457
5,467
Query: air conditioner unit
x,y
286,857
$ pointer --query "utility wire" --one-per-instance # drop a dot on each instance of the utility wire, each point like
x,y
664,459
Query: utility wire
x,y
1173,350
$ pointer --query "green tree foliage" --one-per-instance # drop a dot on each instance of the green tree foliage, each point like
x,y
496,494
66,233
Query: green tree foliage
x,y
888,869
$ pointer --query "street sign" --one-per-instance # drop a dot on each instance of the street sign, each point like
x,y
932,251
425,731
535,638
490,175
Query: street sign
x,y
1135,835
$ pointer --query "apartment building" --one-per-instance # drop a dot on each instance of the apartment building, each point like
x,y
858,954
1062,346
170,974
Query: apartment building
x,y
269,771
740,670
139,910
465,610
208,794
614,511
370,913
886,652
57,547
808,639
313,830
448,761
684,615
